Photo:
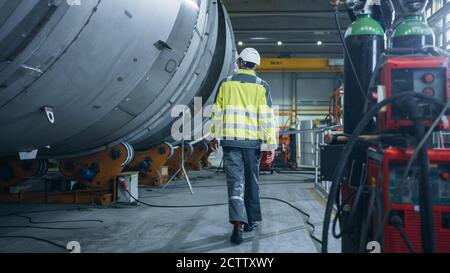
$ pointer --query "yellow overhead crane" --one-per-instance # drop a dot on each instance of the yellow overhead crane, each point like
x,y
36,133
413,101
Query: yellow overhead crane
x,y
298,65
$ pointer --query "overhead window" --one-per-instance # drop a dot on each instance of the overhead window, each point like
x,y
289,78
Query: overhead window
x,y
438,14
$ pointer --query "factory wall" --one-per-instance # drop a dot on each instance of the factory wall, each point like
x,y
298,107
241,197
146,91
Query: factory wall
x,y
312,92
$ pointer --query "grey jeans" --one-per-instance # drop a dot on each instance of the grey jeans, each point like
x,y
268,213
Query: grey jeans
x,y
242,172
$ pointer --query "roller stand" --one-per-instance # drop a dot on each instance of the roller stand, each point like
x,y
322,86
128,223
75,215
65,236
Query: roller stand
x,y
150,165
98,171
74,197
181,172
14,171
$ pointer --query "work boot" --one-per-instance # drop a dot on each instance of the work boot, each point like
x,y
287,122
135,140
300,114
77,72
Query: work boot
x,y
250,227
236,237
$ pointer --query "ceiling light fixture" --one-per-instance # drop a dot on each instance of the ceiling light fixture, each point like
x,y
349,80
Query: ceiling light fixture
x,y
319,43
240,43
280,43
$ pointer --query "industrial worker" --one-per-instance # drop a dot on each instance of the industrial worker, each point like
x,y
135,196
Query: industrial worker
x,y
244,123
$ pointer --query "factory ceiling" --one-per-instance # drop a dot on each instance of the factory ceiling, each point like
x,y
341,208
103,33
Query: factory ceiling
x,y
305,28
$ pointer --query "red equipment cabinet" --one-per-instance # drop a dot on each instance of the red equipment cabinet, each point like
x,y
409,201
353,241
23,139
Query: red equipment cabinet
x,y
282,154
386,167
427,75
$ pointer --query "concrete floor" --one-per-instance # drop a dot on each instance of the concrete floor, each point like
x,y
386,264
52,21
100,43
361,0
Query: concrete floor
x,y
148,229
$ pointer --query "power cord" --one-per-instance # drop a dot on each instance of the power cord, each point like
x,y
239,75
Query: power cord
x,y
307,215
294,172
173,207
424,141
44,211
339,211
31,221
281,182
366,223
36,239
45,228
397,222
428,232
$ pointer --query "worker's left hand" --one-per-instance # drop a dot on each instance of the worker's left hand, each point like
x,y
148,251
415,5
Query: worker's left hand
x,y
270,157
214,145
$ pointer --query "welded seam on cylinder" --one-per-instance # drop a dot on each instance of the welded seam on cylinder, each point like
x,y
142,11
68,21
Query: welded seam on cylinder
x,y
155,121
94,10
9,74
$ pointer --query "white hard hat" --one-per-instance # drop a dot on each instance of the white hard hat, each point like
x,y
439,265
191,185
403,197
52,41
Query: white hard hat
x,y
250,55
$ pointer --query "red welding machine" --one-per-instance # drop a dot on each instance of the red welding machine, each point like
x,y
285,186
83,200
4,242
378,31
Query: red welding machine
x,y
386,167
426,75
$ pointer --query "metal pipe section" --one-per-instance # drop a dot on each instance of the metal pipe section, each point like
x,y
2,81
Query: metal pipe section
x,y
76,79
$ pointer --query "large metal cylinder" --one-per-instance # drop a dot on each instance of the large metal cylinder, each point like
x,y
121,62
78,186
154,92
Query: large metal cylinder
x,y
107,70
365,41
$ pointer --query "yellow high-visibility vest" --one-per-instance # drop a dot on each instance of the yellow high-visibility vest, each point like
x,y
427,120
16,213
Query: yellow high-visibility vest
x,y
243,111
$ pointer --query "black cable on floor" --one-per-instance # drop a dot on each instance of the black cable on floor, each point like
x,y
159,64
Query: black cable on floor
x,y
36,239
44,211
283,182
172,188
339,211
31,221
45,228
294,172
307,215
175,207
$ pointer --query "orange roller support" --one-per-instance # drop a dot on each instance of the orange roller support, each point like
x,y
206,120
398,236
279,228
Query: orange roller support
x,y
14,171
98,171
194,160
150,165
